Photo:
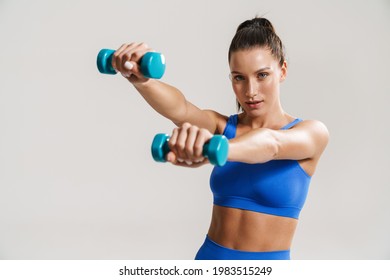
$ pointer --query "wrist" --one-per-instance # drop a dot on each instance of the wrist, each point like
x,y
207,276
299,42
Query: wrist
x,y
144,85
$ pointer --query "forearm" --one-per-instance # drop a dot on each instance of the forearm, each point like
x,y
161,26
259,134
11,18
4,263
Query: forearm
x,y
165,99
256,146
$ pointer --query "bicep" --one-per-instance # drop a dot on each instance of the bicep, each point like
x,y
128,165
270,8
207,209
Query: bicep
x,y
305,141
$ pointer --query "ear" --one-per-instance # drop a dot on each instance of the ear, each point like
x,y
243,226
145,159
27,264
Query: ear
x,y
283,71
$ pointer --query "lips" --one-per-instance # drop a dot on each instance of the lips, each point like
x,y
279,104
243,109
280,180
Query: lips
x,y
254,104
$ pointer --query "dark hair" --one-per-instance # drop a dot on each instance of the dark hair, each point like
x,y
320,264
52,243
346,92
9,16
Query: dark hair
x,y
257,32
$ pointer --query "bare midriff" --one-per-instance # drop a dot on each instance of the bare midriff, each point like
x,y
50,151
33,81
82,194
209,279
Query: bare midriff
x,y
251,231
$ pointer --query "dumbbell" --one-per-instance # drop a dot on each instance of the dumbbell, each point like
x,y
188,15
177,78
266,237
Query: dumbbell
x,y
152,64
216,150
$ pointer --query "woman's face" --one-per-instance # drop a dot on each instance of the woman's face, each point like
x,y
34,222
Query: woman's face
x,y
256,76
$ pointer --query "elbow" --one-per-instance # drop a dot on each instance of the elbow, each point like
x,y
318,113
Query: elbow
x,y
274,151
261,148
271,145
258,146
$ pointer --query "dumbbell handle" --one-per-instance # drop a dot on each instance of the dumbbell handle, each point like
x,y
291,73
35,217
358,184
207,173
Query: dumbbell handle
x,y
152,63
216,150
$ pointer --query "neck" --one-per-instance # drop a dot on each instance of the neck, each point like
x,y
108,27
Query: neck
x,y
274,120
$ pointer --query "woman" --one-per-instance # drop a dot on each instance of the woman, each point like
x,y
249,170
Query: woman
x,y
260,192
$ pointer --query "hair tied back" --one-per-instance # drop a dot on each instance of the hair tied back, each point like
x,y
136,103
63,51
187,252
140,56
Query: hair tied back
x,y
257,23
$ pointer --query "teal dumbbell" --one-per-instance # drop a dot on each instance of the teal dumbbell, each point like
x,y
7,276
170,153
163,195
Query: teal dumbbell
x,y
152,64
216,150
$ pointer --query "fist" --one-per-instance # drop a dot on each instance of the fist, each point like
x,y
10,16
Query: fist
x,y
186,145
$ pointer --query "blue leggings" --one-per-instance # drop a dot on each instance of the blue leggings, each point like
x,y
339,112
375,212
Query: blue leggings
x,y
213,251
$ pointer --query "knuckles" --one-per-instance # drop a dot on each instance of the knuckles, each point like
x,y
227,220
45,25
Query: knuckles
x,y
198,149
136,48
186,126
126,57
180,145
193,129
188,149
191,149
143,45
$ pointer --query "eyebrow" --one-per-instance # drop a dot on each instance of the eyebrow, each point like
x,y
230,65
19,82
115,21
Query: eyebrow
x,y
261,69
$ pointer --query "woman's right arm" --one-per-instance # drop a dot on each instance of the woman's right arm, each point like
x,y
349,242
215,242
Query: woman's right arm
x,y
164,98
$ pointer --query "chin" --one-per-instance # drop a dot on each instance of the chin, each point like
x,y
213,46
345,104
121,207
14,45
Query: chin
x,y
254,113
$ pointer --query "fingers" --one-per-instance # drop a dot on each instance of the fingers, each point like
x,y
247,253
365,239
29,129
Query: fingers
x,y
172,144
126,59
186,145
171,157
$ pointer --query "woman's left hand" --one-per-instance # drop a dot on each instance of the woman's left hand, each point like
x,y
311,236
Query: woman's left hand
x,y
186,145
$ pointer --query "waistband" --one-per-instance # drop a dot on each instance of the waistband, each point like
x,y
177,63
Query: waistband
x,y
211,250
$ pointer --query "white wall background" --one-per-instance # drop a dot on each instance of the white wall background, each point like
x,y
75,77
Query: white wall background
x,y
76,177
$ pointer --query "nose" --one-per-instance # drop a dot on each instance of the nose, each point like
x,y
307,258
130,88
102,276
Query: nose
x,y
251,90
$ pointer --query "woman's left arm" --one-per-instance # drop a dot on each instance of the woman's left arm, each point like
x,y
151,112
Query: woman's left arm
x,y
306,140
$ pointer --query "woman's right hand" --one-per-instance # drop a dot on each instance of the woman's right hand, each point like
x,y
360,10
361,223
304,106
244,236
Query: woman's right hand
x,y
126,60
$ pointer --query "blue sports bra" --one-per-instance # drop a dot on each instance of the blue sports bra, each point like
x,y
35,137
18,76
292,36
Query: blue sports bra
x,y
277,187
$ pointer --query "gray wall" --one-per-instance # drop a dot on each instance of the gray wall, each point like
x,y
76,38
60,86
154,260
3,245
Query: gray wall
x,y
76,177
